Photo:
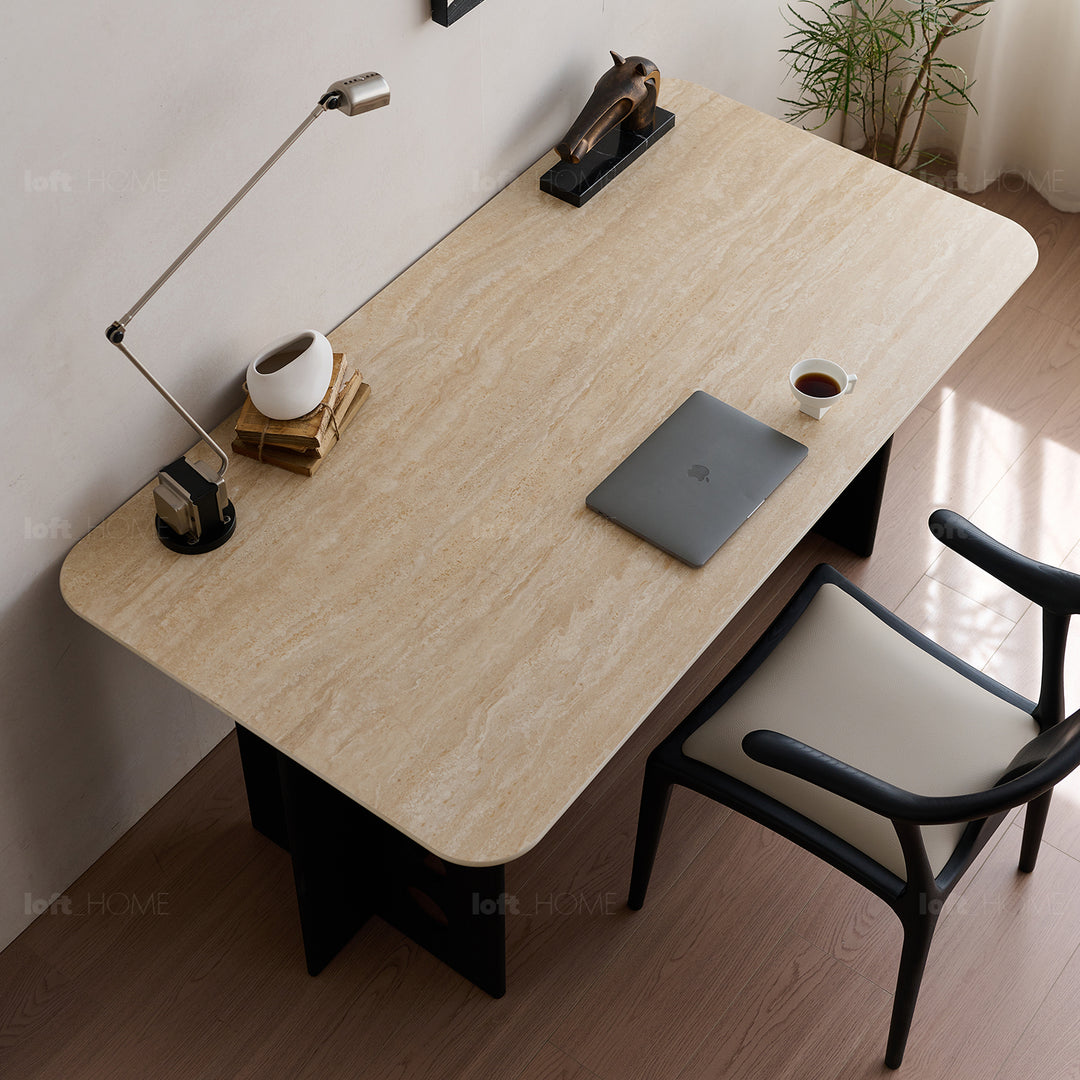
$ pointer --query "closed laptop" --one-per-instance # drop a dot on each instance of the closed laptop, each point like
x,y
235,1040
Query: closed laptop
x,y
697,478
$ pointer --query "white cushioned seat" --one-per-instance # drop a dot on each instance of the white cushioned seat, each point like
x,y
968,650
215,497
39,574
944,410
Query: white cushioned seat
x,y
843,682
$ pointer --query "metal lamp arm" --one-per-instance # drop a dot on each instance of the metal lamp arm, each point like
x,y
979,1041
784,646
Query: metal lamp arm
x,y
115,332
192,422
121,324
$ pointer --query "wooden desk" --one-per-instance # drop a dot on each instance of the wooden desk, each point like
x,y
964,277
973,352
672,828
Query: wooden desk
x,y
432,644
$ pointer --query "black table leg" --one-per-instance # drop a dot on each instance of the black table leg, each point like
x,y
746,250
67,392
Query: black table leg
x,y
332,889
349,864
853,518
259,761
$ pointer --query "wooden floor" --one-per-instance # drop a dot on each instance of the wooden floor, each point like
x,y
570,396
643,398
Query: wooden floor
x,y
178,953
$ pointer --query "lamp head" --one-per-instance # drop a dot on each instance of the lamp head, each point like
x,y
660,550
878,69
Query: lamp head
x,y
358,94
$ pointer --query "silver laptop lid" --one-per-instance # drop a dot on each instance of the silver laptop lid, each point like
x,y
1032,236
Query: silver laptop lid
x,y
696,478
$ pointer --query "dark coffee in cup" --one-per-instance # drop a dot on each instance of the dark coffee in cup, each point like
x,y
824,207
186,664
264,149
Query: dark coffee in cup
x,y
817,384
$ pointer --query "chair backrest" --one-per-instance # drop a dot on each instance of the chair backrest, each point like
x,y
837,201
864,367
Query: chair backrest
x,y
1055,590
1052,588
1051,755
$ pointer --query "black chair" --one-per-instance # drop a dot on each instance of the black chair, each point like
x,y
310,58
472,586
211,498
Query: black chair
x,y
841,712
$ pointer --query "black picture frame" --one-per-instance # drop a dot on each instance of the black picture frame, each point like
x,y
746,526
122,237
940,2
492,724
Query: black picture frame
x,y
447,12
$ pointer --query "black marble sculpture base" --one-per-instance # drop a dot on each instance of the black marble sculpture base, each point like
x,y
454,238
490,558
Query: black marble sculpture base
x,y
577,184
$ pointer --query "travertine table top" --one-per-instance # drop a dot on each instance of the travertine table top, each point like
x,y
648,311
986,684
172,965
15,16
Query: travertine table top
x,y
435,623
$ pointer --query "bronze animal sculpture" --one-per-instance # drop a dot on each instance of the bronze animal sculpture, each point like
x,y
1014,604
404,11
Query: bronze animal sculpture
x,y
626,94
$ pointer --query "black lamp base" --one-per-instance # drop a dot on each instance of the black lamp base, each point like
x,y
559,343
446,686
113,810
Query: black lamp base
x,y
213,536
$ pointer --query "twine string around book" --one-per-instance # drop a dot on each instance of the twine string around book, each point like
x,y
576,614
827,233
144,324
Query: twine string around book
x,y
331,409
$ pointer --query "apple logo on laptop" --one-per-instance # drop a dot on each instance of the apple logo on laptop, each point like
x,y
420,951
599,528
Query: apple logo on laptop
x,y
698,472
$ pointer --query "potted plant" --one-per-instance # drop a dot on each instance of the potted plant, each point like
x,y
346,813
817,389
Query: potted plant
x,y
877,63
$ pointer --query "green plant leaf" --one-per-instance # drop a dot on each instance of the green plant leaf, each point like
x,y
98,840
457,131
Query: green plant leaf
x,y
876,60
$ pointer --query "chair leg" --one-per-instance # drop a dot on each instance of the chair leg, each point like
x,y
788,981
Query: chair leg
x,y
655,796
1034,820
918,933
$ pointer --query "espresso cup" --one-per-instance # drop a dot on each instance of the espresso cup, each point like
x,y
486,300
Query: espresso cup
x,y
817,385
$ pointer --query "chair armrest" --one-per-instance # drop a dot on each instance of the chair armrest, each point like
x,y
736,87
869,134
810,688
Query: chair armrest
x,y
879,796
816,767
1051,588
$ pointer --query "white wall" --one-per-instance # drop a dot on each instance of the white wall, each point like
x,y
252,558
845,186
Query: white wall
x,y
126,126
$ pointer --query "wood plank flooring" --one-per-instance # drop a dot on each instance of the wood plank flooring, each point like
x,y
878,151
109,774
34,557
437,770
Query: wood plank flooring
x,y
178,953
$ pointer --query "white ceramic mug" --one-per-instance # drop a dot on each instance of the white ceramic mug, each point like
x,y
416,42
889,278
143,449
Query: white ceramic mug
x,y
818,404
291,376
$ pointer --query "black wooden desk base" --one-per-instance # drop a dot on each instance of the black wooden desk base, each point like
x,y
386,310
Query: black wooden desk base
x,y
852,520
349,865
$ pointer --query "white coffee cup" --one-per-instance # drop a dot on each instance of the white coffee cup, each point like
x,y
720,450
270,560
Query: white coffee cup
x,y
817,396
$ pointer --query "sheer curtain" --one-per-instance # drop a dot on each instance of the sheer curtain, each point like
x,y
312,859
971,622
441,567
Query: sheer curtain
x,y
1025,59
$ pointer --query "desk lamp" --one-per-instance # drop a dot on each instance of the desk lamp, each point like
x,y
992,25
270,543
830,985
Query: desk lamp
x,y
194,513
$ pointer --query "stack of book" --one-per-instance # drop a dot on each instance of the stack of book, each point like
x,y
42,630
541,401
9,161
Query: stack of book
x,y
301,445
